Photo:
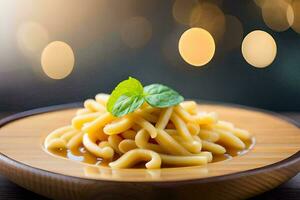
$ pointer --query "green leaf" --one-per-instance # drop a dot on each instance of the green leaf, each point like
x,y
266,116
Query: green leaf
x,y
161,96
126,92
127,104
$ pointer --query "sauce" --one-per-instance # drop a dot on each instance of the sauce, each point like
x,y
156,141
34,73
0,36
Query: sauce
x,y
82,155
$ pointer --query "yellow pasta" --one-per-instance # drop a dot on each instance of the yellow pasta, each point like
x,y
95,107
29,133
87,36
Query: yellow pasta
x,y
129,134
189,106
102,98
145,125
142,141
80,120
118,126
183,160
180,135
90,145
114,141
94,106
127,145
135,156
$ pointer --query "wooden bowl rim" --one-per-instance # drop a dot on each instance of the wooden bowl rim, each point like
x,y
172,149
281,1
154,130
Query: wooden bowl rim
x,y
295,158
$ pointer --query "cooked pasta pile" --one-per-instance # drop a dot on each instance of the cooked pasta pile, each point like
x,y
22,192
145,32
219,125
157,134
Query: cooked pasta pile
x,y
178,136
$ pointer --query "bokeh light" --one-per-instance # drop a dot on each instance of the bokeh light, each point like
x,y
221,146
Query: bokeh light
x,y
259,49
196,46
233,34
136,32
182,10
209,17
57,60
259,3
296,9
32,37
278,14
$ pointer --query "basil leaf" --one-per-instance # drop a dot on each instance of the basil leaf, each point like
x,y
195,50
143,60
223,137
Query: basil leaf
x,y
161,96
129,87
127,104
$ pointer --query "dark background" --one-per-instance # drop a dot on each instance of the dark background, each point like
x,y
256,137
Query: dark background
x,y
92,29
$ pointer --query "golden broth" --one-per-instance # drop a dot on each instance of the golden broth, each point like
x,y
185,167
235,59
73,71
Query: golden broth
x,y
82,155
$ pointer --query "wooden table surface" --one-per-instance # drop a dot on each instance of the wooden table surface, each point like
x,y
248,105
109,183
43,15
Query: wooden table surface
x,y
287,191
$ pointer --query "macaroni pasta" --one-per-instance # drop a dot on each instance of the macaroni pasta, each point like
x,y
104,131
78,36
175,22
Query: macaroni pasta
x,y
175,136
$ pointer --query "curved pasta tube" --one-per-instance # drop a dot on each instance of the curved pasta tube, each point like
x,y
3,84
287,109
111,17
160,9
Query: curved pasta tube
x,y
83,111
171,131
56,143
189,106
169,144
91,146
212,147
80,120
104,144
183,160
207,154
209,135
93,106
98,123
240,133
127,145
129,134
135,156
206,118
118,126
147,115
57,133
75,141
227,138
200,118
164,118
193,128
181,127
102,98
145,125
68,135
142,141
114,141
192,146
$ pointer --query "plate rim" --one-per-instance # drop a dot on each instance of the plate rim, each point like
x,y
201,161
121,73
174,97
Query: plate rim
x,y
293,159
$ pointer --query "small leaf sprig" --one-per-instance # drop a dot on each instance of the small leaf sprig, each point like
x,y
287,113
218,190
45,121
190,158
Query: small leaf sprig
x,y
130,94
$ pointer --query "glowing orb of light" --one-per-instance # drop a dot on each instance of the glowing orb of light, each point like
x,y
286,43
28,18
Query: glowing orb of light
x,y
278,14
57,60
259,49
32,37
182,10
209,17
196,46
296,11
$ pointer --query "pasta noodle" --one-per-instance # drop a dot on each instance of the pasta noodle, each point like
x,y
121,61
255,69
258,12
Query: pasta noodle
x,y
181,135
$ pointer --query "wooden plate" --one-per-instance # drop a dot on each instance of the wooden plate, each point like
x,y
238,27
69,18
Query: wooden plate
x,y
274,159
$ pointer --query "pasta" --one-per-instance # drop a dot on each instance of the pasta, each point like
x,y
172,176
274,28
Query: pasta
x,y
180,135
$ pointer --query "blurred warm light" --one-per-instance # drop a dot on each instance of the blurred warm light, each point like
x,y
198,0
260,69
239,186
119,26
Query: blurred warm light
x,y
196,46
57,60
136,32
278,14
32,37
296,9
182,10
233,34
259,49
209,17
259,3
